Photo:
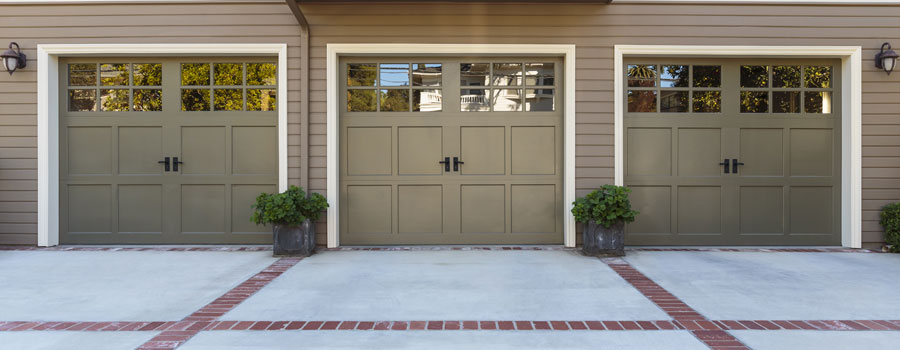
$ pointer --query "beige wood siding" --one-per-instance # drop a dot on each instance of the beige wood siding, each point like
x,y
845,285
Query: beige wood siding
x,y
30,25
593,28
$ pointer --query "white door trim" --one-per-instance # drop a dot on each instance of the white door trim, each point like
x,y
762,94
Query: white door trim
x,y
48,110
336,50
851,124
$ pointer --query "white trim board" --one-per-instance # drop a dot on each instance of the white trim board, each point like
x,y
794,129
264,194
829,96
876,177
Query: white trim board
x,y
851,113
48,110
334,51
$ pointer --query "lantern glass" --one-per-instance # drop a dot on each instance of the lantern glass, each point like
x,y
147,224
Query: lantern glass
x,y
10,63
888,63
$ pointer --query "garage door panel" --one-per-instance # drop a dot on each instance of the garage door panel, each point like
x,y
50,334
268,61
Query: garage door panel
x,y
699,210
655,206
419,150
89,208
140,148
140,208
699,152
368,151
483,149
89,150
812,210
482,208
203,150
242,197
649,152
533,150
203,208
533,208
762,152
420,208
811,152
369,209
762,210
251,150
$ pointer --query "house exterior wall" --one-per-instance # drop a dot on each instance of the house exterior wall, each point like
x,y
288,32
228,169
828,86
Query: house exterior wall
x,y
593,28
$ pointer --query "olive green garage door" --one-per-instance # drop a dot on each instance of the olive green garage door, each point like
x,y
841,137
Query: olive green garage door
x,y
158,150
451,151
733,152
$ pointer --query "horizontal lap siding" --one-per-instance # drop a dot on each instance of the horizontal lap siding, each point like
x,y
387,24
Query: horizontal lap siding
x,y
595,29
30,25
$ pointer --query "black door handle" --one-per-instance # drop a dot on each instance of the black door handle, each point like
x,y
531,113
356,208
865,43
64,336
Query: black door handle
x,y
456,163
166,162
446,163
734,165
175,163
725,163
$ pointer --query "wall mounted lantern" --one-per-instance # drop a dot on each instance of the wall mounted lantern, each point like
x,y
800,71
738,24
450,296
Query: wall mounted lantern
x,y
13,59
886,59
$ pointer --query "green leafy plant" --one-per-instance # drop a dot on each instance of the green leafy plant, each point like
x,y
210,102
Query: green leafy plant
x,y
289,208
606,206
890,220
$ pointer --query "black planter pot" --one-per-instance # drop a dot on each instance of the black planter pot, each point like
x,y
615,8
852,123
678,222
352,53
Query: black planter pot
x,y
602,241
294,240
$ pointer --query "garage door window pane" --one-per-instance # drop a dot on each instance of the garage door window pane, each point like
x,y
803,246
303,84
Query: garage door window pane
x,y
755,76
641,101
674,76
361,74
114,74
82,100
754,102
475,100
507,100
539,100
426,74
228,73
539,74
707,76
147,74
83,74
786,76
641,75
261,100
147,100
194,74
474,74
817,76
262,74
427,100
394,100
786,101
393,74
115,100
707,101
361,101
195,99
673,101
507,74
817,102
228,99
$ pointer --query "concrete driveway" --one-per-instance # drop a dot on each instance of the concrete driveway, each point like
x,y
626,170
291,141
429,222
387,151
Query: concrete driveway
x,y
446,298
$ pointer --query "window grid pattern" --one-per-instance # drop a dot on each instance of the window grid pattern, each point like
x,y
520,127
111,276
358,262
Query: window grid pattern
x,y
786,89
394,87
114,87
228,86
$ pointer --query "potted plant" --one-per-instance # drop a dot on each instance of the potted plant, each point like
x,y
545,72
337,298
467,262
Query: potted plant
x,y
890,221
604,213
292,215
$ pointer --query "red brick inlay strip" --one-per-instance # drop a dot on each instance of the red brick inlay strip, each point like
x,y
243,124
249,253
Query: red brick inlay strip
x,y
756,250
452,325
703,329
180,332
235,248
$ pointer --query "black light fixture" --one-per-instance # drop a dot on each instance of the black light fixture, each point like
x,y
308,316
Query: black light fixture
x,y
13,59
886,59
